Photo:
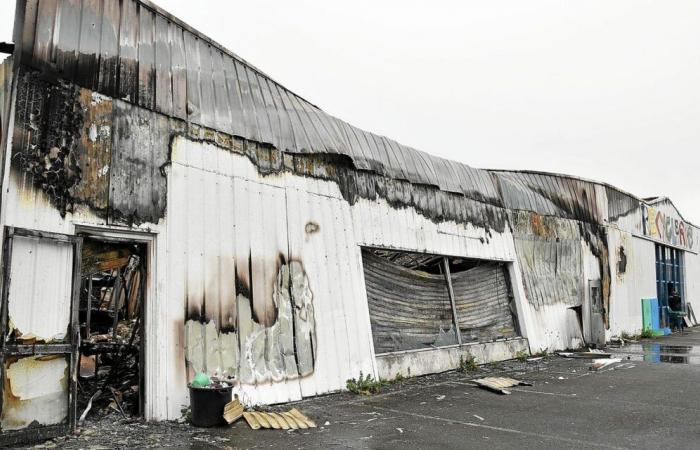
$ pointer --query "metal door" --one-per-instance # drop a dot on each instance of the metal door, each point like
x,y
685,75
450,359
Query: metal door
x,y
40,337
597,314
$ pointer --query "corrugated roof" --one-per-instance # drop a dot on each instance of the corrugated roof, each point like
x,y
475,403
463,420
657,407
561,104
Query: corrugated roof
x,y
135,51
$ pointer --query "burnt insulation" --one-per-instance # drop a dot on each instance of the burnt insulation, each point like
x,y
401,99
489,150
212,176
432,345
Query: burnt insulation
x,y
47,131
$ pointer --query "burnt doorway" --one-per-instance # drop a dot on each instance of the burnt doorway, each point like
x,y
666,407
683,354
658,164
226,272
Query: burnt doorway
x,y
111,322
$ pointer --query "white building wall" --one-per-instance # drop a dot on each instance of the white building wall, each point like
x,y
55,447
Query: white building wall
x,y
220,211
629,288
692,280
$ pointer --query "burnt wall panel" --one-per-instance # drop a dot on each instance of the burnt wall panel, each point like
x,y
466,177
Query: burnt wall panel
x,y
409,309
48,123
94,152
140,149
549,252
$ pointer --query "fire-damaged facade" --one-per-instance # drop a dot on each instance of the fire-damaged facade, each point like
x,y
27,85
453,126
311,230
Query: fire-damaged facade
x,y
163,197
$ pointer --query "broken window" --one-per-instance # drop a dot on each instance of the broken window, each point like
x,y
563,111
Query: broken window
x,y
111,324
411,306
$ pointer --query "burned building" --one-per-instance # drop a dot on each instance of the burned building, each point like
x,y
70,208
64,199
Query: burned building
x,y
164,200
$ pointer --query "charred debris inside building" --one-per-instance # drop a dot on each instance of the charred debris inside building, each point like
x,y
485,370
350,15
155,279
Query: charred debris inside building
x,y
168,209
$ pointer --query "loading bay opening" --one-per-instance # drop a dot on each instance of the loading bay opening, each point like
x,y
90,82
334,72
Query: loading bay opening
x,y
421,301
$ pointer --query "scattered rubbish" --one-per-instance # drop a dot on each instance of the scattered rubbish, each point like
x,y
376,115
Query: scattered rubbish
x,y
590,354
478,417
400,430
89,406
117,402
292,419
88,366
561,378
602,363
327,423
233,411
498,384
440,397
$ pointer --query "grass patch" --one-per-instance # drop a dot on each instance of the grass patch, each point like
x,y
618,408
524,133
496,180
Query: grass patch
x,y
467,364
186,414
522,355
368,385
646,333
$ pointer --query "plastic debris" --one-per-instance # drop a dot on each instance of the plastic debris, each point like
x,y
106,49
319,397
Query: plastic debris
x,y
200,380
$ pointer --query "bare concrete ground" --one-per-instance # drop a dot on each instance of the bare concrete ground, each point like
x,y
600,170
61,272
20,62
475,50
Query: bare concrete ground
x,y
634,404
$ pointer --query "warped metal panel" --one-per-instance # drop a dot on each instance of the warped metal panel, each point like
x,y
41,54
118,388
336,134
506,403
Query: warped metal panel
x,y
409,309
483,303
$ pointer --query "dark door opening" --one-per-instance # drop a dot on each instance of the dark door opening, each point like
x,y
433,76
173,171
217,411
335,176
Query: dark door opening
x,y
111,311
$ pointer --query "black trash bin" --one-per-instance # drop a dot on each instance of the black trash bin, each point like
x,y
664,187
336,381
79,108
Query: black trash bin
x,y
207,404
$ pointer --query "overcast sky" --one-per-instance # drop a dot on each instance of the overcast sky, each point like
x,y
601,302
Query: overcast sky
x,y
604,89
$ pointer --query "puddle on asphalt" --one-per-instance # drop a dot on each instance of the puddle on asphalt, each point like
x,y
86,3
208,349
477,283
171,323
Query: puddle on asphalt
x,y
659,353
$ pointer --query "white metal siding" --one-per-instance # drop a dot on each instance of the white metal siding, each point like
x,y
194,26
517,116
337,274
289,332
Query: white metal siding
x,y
41,276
